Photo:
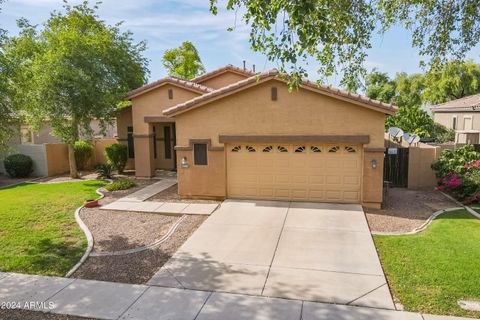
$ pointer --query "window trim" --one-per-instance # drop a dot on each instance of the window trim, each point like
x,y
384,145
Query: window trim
x,y
195,151
471,122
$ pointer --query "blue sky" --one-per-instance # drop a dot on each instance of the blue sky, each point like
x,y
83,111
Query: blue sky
x,y
167,23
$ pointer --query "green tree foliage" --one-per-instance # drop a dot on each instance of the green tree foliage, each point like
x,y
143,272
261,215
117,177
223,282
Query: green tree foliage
x,y
8,116
72,70
412,119
183,62
339,33
403,90
452,81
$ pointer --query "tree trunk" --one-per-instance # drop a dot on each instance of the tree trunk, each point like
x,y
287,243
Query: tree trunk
x,y
71,161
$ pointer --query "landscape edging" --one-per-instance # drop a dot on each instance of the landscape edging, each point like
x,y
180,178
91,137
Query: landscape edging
x,y
87,233
470,210
420,228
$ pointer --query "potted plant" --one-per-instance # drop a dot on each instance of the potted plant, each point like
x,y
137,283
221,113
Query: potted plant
x,y
90,203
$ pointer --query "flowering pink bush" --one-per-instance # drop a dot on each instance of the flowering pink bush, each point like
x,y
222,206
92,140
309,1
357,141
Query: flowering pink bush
x,y
465,185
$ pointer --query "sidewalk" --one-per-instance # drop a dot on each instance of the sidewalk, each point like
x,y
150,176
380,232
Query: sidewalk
x,y
109,300
137,202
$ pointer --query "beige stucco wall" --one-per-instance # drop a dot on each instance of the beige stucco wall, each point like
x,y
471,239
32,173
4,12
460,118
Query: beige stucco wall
x,y
57,158
446,119
420,173
152,104
252,112
222,80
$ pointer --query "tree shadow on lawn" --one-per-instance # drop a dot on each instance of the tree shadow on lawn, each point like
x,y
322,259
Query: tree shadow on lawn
x,y
49,257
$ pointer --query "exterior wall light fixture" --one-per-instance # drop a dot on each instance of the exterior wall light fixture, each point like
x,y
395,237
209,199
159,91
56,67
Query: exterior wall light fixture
x,y
373,163
184,163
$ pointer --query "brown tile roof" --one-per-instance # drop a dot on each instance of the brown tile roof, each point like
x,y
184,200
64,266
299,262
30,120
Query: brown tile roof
x,y
470,102
190,85
228,67
261,77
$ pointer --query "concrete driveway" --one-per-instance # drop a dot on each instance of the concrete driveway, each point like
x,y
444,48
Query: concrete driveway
x,y
310,251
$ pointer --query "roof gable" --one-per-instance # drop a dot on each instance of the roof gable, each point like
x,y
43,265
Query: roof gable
x,y
275,75
226,69
470,103
181,83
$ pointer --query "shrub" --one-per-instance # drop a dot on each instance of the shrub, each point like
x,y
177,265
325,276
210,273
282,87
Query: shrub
x,y
121,184
117,155
104,170
83,152
455,160
18,165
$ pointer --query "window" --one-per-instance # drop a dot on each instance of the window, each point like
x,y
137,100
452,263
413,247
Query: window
x,y
334,149
154,143
250,149
454,123
130,145
282,149
26,136
467,123
236,149
200,154
274,94
300,149
167,142
267,149
315,149
350,149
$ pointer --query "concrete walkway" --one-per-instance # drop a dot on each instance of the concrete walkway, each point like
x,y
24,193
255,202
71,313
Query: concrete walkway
x,y
305,251
137,202
109,300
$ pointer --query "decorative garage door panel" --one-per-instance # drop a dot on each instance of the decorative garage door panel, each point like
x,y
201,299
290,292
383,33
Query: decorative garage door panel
x,y
308,172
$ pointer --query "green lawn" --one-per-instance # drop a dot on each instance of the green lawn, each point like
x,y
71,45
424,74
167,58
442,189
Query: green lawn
x,y
38,232
431,270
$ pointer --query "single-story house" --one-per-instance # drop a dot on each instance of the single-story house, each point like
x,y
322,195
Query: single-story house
x,y
461,115
231,133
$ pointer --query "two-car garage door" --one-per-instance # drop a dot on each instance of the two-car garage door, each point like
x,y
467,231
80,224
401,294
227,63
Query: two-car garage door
x,y
308,172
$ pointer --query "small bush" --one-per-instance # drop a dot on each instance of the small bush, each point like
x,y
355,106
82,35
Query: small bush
x,y
104,171
121,184
455,160
117,155
83,152
18,165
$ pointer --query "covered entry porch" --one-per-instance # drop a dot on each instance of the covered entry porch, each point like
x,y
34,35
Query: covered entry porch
x,y
154,149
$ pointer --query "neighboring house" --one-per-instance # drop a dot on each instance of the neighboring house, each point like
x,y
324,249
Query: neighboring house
x,y
28,136
461,115
232,133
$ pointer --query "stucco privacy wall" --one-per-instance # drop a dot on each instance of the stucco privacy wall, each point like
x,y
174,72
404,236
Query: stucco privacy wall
x,y
252,112
57,158
420,173
36,152
151,104
222,80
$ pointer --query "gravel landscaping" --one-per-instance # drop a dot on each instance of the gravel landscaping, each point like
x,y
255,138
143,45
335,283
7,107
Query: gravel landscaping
x,y
171,195
17,314
120,230
406,209
138,268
